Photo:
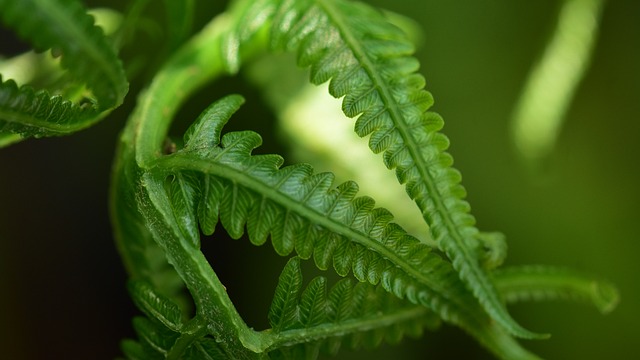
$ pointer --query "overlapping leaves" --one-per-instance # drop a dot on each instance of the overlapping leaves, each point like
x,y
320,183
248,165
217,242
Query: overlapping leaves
x,y
356,315
163,334
216,177
302,211
368,62
537,282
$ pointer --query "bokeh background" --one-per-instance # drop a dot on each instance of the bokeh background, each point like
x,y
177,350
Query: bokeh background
x,y
62,292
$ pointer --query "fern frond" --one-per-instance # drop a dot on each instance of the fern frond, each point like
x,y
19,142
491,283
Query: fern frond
x,y
307,321
216,178
369,64
549,283
65,27
302,211
155,305
299,210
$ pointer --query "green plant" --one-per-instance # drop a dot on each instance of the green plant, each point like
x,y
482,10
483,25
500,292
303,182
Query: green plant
x,y
166,192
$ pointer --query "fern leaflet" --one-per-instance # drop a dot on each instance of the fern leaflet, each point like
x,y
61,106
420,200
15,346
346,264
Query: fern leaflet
x,y
216,178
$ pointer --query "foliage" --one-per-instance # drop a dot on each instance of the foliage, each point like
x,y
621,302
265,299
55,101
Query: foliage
x,y
167,194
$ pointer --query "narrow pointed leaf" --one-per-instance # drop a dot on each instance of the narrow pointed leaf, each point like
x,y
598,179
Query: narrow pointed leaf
x,y
283,311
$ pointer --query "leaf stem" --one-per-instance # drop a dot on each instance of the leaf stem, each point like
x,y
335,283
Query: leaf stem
x,y
197,63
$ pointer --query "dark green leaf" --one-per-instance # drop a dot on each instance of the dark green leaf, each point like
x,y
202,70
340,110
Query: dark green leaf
x,y
284,312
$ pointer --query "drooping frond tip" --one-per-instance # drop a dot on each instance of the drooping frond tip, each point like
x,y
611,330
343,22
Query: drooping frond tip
x,y
368,62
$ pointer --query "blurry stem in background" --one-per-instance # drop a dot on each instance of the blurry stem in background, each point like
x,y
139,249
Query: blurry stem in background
x,y
552,82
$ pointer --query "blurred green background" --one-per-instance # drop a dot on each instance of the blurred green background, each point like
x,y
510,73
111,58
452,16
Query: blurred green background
x,y
62,290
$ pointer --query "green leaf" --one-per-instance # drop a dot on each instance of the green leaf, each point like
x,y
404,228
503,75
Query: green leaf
x,y
302,211
25,112
283,312
234,206
313,307
208,206
204,133
305,213
341,301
